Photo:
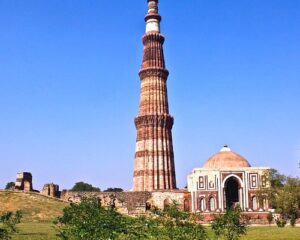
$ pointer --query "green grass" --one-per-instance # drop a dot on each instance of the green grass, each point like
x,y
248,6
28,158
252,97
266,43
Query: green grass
x,y
35,231
267,233
45,231
38,212
270,233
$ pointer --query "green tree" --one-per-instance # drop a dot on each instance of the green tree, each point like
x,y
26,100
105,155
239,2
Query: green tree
x,y
288,198
277,179
88,220
84,187
8,223
9,185
114,190
230,225
177,224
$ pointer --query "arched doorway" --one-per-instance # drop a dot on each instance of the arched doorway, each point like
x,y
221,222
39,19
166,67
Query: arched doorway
x,y
201,204
231,192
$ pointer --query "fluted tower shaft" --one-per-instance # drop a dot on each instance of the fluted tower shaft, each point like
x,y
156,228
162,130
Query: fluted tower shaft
x,y
154,167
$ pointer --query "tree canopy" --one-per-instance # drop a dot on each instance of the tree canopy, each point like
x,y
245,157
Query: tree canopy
x,y
9,185
283,194
84,187
88,220
114,190
288,198
230,225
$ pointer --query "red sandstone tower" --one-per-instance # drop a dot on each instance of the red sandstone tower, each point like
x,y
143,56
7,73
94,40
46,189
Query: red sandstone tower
x,y
154,158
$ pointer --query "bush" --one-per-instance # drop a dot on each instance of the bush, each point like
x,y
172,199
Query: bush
x,y
88,220
270,217
8,222
9,186
230,225
293,220
281,222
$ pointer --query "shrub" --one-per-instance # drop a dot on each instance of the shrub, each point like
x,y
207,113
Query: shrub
x,y
281,222
88,220
293,220
230,225
8,222
270,217
9,186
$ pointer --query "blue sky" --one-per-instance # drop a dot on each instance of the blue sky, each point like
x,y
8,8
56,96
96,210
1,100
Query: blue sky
x,y
69,88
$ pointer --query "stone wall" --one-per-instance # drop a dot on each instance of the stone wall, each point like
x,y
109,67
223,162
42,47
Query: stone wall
x,y
51,190
254,217
133,203
24,182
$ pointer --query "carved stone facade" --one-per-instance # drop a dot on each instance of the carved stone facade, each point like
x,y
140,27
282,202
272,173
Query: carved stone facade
x,y
154,167
24,182
227,179
51,190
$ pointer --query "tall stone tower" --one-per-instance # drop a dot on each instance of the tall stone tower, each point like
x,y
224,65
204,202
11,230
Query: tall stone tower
x,y
154,158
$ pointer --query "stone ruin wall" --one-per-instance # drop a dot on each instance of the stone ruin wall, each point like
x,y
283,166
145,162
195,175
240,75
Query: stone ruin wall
x,y
131,203
24,182
51,190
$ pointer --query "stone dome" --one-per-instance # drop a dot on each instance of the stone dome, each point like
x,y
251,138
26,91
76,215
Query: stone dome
x,y
226,159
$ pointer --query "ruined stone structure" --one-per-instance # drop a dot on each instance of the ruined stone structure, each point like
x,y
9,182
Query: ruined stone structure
x,y
154,158
51,190
24,182
225,180
133,203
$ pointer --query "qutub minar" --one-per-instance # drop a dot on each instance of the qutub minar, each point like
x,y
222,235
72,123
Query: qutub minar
x,y
154,167
225,180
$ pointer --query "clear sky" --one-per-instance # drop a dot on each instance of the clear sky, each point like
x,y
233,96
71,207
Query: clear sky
x,y
69,88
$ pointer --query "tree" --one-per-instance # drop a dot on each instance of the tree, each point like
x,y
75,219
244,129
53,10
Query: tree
x,y
84,187
277,179
114,190
177,224
9,185
230,225
88,220
8,222
288,198
283,194
274,181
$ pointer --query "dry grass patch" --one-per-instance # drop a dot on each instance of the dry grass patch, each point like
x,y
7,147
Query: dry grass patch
x,y
35,207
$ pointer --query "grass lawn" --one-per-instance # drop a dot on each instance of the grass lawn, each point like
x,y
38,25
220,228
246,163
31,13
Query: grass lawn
x,y
45,231
35,231
269,233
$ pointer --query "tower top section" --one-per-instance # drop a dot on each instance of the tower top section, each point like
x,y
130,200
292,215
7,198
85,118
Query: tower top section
x,y
152,18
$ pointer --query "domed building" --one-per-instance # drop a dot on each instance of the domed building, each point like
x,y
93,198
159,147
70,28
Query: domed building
x,y
226,180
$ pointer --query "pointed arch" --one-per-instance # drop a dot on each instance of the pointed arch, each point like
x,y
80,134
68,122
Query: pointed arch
x,y
212,204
